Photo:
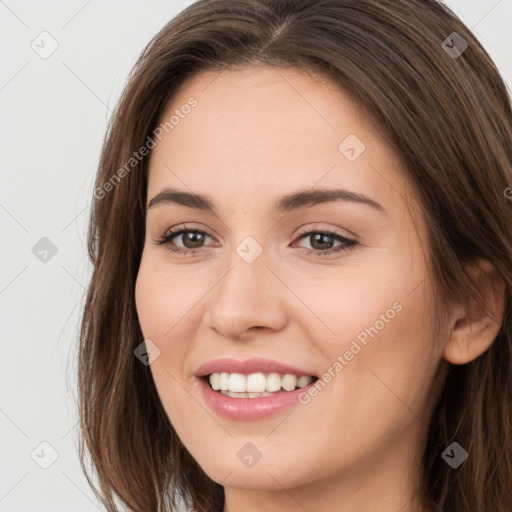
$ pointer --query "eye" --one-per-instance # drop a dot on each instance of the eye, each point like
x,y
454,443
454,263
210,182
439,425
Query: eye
x,y
192,241
320,238
195,238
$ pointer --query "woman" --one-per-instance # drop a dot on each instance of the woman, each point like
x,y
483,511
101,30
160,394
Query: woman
x,y
230,360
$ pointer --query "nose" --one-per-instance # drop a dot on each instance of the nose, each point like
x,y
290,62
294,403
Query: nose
x,y
248,299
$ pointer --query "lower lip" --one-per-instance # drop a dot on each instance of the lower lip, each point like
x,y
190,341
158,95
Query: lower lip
x,y
250,408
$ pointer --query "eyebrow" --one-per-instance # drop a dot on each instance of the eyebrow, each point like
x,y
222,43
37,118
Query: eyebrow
x,y
287,203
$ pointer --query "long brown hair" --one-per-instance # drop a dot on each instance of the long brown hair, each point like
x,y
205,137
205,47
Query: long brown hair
x,y
449,118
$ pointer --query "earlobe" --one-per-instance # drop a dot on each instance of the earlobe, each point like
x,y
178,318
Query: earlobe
x,y
473,332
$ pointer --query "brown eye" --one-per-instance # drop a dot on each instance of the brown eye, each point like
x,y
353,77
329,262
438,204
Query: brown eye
x,y
190,238
321,242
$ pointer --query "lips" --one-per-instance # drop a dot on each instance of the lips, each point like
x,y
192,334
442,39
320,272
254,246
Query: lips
x,y
249,366
256,406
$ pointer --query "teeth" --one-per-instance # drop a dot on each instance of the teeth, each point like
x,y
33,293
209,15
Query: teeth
x,y
215,381
273,382
289,382
244,395
237,383
256,382
303,381
254,385
224,381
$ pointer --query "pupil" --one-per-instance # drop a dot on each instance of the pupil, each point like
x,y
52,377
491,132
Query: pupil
x,y
319,237
194,238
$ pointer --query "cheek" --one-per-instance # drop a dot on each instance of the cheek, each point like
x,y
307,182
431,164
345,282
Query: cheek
x,y
165,300
380,353
162,297
388,363
383,299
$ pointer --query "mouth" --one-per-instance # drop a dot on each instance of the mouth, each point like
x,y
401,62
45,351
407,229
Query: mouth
x,y
252,389
256,385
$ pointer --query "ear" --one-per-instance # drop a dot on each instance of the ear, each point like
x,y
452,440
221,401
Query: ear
x,y
473,332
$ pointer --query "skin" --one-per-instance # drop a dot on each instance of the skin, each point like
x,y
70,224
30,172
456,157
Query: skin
x,y
256,134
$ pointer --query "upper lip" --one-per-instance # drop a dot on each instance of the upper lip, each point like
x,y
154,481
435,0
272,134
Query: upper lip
x,y
247,366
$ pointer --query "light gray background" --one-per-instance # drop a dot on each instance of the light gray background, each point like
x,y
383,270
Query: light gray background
x,y
53,115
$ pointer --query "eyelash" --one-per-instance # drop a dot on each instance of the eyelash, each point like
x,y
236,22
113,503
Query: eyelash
x,y
347,243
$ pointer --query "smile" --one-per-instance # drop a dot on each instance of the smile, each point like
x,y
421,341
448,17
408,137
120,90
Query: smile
x,y
256,385
252,389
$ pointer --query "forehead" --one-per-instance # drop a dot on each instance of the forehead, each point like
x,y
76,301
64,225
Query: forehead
x,y
264,131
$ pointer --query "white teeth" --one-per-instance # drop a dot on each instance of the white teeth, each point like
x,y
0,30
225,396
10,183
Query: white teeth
x,y
237,383
244,395
257,395
289,382
256,382
273,382
254,385
215,381
223,381
303,381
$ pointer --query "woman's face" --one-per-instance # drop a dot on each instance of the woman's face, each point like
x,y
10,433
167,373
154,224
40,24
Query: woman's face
x,y
351,307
